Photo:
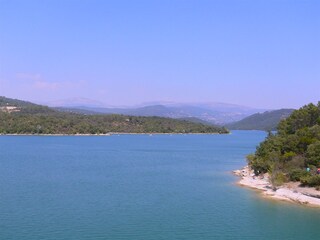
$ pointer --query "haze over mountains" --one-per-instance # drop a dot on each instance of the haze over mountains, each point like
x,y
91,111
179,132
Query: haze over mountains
x,y
261,121
73,102
22,117
212,112
232,116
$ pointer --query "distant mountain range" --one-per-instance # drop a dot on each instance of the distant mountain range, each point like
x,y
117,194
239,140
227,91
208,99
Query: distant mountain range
x,y
261,121
232,116
72,102
213,113
22,117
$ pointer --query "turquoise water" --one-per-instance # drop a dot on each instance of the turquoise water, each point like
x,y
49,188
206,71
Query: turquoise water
x,y
139,187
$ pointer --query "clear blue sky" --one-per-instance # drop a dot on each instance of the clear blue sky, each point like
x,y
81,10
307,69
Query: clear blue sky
x,y
250,52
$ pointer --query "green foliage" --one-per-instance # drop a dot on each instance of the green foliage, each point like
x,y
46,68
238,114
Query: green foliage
x,y
313,154
305,117
37,119
259,165
296,174
261,121
312,181
296,146
24,107
278,179
287,156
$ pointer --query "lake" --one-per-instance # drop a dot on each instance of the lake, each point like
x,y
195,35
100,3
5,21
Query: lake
x,y
139,187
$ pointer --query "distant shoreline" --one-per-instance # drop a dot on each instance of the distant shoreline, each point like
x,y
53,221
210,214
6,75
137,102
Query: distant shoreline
x,y
291,192
108,134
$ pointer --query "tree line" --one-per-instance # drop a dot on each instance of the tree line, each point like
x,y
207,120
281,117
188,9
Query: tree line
x,y
70,123
293,152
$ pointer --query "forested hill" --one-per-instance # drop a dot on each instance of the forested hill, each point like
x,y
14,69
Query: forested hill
x,y
293,153
15,105
261,121
20,117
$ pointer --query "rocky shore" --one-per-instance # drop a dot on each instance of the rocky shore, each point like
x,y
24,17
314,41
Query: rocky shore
x,y
291,191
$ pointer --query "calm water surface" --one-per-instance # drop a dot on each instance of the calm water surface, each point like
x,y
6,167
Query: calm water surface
x,y
139,187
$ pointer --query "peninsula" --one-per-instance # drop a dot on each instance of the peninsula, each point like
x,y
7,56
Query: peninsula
x,y
286,165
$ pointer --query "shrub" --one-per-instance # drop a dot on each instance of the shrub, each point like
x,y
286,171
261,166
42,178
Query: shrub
x,y
278,179
297,174
311,181
287,156
313,154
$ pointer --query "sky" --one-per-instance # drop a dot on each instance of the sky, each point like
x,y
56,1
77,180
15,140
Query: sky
x,y
257,53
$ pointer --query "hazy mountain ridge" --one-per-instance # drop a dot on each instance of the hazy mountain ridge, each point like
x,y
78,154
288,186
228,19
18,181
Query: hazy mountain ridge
x,y
261,121
216,113
73,102
22,117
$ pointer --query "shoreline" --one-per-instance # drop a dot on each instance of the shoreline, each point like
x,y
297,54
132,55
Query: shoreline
x,y
290,192
108,134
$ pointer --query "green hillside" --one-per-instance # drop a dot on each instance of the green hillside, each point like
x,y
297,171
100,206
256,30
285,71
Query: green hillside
x,y
19,117
23,106
295,147
196,120
261,121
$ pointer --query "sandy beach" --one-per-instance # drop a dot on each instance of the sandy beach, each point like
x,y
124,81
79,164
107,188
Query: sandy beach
x,y
291,191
